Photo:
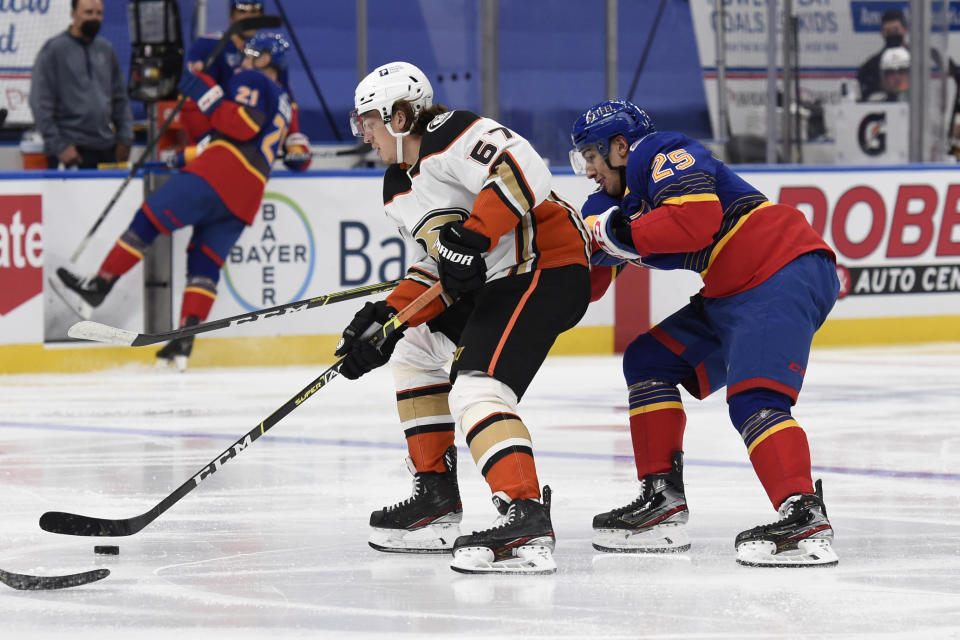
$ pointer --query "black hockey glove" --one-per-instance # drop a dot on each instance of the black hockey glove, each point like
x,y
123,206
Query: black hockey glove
x,y
359,355
459,254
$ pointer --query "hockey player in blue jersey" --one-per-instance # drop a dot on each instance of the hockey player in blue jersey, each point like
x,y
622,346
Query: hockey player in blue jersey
x,y
296,152
769,282
218,192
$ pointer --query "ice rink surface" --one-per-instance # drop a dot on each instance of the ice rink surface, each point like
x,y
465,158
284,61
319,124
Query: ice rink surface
x,y
274,544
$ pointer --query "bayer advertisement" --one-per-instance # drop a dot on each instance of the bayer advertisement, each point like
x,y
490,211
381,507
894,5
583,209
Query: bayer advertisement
x,y
311,237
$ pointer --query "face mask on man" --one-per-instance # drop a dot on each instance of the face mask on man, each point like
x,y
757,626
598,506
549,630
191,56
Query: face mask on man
x,y
892,40
90,28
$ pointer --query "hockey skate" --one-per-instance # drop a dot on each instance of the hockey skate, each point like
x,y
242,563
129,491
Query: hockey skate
x,y
178,350
520,541
426,522
653,523
802,537
82,295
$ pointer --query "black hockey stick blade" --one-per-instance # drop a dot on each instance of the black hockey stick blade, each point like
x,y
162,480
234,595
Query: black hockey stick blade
x,y
99,332
73,524
23,582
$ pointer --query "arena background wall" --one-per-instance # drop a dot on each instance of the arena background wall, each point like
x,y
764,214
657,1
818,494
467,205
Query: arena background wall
x,y
896,231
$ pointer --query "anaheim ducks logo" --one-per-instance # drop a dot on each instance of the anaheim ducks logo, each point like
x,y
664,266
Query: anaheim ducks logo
x,y
439,120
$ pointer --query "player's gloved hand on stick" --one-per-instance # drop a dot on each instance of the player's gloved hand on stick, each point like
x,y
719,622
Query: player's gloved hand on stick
x,y
459,255
611,232
359,355
203,89
297,155
599,257
173,159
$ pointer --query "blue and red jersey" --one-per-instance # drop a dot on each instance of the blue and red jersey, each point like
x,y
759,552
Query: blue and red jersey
x,y
689,211
222,69
249,126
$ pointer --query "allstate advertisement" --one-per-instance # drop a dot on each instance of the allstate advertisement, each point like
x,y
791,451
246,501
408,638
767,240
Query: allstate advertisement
x,y
41,224
25,25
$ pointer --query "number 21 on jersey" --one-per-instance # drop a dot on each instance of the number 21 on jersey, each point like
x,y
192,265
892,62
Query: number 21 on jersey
x,y
677,159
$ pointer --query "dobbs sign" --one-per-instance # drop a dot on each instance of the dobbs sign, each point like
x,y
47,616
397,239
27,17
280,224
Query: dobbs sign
x,y
909,243
21,250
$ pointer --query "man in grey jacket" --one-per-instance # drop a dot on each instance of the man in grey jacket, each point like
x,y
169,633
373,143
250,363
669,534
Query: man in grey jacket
x,y
78,96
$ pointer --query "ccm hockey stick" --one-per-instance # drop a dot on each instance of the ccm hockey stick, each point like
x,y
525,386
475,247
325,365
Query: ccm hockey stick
x,y
78,525
247,24
89,330
23,582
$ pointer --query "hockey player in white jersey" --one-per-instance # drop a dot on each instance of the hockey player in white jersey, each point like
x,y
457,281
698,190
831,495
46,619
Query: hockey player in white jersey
x,y
512,259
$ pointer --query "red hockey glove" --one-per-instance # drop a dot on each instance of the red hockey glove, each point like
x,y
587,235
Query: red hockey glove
x,y
296,155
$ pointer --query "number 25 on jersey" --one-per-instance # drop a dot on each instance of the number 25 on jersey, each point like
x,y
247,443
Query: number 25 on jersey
x,y
663,165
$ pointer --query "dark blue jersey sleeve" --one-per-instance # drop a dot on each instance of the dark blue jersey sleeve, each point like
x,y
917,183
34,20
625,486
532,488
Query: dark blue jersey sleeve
x,y
598,202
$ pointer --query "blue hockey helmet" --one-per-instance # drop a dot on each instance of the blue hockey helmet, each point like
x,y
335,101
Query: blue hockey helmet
x,y
273,43
601,122
246,5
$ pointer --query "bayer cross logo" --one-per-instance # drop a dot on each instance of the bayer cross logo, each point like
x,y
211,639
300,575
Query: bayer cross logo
x,y
272,262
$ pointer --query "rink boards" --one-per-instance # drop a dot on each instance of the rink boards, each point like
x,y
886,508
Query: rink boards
x,y
896,232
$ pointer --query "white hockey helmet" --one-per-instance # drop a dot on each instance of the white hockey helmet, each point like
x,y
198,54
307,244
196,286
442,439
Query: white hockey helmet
x,y
895,58
384,86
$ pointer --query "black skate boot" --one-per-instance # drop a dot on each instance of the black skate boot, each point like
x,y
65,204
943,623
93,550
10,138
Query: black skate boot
x,y
653,523
802,537
520,541
426,522
178,350
82,295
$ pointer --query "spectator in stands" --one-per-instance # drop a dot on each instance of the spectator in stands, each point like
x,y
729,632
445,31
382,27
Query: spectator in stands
x,y
895,73
893,28
78,96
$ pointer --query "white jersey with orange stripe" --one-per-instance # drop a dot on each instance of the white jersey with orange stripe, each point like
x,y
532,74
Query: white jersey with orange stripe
x,y
474,167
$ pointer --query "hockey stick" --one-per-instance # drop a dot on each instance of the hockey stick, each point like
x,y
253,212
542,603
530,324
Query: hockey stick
x,y
357,150
246,24
23,582
98,332
80,525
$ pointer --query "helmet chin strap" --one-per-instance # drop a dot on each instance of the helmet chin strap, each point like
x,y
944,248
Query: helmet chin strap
x,y
399,138
622,170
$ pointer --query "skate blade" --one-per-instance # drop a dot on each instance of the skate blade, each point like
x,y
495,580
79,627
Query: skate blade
x,y
74,302
180,362
434,538
667,538
530,559
809,553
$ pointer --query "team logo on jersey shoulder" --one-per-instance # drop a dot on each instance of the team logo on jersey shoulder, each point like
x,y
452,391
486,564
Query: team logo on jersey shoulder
x,y
438,121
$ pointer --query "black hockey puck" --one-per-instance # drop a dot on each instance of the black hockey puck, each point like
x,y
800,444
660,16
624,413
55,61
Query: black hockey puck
x,y
107,550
